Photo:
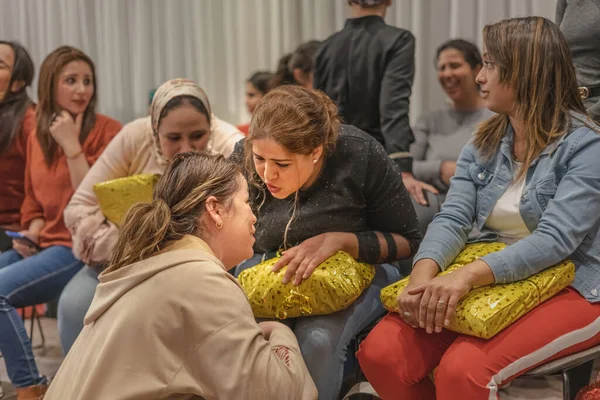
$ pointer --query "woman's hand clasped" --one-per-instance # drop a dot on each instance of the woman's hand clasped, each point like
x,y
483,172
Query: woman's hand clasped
x,y
439,298
408,305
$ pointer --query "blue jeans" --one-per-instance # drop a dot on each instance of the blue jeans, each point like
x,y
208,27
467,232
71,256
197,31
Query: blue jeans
x,y
26,282
324,339
73,304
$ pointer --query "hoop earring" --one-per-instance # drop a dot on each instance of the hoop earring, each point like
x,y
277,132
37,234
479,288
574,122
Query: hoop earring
x,y
219,225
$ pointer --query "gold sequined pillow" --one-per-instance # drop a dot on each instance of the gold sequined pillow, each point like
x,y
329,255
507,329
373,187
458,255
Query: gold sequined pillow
x,y
487,310
334,285
118,195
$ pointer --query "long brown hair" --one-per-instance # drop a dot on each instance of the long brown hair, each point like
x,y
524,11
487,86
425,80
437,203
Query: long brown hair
x,y
533,59
296,118
47,106
14,106
178,202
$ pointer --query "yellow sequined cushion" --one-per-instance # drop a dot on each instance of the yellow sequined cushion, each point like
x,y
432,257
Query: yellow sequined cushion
x,y
333,286
487,310
118,195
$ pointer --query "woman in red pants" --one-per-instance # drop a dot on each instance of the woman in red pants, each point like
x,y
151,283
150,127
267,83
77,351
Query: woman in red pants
x,y
529,178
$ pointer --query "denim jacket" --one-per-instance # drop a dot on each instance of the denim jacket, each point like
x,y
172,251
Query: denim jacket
x,y
560,206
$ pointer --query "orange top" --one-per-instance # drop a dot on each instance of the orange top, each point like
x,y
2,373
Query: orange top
x,y
12,174
244,128
48,190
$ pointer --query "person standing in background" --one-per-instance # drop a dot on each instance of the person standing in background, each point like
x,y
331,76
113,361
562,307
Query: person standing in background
x,y
367,69
579,21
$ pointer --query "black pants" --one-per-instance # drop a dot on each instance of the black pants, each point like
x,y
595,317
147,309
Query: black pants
x,y
5,241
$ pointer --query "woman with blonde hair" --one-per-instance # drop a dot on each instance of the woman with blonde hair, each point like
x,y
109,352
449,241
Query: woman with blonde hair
x,y
180,120
69,138
319,187
201,339
529,179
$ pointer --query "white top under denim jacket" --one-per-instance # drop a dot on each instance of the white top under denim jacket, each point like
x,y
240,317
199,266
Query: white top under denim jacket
x,y
560,206
505,218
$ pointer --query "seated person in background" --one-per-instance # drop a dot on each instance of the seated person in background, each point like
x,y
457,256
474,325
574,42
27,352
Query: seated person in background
x,y
69,137
256,87
320,187
529,178
180,121
167,320
441,135
297,68
367,69
17,123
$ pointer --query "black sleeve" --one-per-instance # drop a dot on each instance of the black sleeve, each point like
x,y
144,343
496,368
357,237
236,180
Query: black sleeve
x,y
561,6
318,79
394,102
390,209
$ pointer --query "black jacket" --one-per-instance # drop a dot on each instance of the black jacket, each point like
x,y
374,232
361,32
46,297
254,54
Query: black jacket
x,y
367,69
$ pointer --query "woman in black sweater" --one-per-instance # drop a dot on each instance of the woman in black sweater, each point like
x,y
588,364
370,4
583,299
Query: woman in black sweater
x,y
318,187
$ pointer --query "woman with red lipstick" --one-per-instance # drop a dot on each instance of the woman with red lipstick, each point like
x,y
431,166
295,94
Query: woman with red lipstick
x,y
318,187
441,135
69,137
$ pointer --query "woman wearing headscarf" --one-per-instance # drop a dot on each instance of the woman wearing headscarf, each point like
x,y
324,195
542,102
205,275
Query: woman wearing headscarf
x,y
180,120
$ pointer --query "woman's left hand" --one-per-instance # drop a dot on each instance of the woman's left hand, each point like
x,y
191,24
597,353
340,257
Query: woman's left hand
x,y
302,260
440,297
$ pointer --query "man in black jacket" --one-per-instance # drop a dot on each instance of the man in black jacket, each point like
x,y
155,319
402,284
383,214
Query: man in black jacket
x,y
367,69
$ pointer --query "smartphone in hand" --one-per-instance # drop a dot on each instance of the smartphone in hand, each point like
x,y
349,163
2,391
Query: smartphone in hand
x,y
23,239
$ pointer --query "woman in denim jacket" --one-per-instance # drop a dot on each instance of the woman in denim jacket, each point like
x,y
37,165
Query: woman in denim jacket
x,y
530,178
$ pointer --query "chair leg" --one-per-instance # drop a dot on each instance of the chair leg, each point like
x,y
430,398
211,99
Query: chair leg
x,y
39,324
357,371
35,319
33,314
576,378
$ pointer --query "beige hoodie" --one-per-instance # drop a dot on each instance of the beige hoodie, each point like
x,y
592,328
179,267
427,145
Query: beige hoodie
x,y
177,325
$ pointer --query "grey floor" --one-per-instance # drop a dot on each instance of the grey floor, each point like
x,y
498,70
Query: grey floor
x,y
50,357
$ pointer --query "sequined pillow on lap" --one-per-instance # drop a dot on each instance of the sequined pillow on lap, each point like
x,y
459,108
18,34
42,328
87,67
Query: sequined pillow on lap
x,y
333,286
487,310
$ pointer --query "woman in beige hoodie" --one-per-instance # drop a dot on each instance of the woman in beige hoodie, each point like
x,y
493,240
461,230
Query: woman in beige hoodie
x,y
180,120
167,320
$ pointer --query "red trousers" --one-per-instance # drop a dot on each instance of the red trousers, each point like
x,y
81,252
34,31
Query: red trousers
x,y
397,359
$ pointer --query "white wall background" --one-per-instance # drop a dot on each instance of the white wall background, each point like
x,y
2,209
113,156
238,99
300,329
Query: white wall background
x,y
138,44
